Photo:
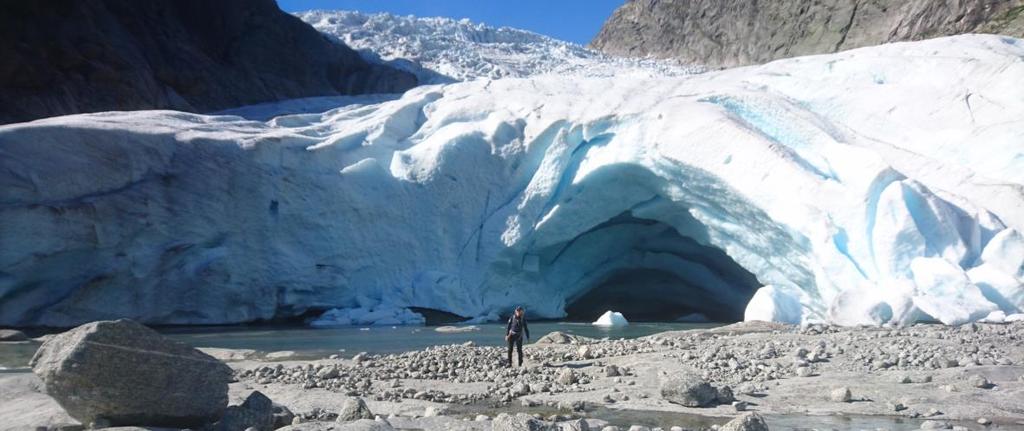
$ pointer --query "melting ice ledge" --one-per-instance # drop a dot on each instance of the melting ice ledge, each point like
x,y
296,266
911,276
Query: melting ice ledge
x,y
882,185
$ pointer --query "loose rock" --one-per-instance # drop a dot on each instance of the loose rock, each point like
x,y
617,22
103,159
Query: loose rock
x,y
256,412
747,422
354,409
128,374
841,395
688,390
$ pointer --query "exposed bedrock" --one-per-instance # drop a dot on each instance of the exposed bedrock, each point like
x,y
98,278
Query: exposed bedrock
x,y
64,57
859,191
728,33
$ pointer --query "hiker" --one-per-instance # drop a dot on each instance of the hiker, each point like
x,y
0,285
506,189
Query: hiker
x,y
514,334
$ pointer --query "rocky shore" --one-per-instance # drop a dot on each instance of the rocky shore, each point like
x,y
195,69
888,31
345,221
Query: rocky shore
x,y
746,376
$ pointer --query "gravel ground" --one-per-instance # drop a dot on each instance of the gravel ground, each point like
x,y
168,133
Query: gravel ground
x,y
968,377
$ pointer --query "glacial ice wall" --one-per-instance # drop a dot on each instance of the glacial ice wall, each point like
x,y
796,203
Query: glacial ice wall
x,y
879,185
443,50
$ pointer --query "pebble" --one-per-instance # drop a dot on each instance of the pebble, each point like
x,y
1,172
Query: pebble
x,y
897,407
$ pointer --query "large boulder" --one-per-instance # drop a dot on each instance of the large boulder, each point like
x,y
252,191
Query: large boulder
x,y
123,373
688,390
746,422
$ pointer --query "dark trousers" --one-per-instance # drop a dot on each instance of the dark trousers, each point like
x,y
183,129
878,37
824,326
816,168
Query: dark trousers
x,y
517,342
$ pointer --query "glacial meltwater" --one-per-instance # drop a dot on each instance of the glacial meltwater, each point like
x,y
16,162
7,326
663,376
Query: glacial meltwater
x,y
308,343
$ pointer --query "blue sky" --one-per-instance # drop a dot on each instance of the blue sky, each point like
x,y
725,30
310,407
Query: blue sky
x,y
573,20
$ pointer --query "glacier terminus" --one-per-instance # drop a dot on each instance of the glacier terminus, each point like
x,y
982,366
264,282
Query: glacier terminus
x,y
881,185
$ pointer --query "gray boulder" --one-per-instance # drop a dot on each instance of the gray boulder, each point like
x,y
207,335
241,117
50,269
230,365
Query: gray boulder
x,y
124,373
841,395
256,412
979,382
567,377
688,390
282,416
612,371
353,409
724,395
519,422
746,422
9,335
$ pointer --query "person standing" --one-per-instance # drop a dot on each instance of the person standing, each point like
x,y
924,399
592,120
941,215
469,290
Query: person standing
x,y
514,334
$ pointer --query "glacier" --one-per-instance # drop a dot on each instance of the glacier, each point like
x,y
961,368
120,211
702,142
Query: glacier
x,y
441,50
878,186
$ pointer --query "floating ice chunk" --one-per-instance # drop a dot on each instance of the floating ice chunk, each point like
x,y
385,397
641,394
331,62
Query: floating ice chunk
x,y
456,329
946,293
772,304
611,318
378,316
694,318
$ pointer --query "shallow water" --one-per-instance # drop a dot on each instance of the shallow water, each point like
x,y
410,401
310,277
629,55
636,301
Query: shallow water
x,y
626,418
347,341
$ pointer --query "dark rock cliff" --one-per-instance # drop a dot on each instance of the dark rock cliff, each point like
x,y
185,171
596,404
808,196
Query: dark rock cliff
x,y
726,33
70,56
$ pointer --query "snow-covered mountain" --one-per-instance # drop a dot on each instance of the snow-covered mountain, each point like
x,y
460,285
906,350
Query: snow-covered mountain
x,y
442,50
879,185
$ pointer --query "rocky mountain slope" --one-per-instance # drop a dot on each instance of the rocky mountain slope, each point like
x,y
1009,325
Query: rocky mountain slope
x,y
720,33
64,57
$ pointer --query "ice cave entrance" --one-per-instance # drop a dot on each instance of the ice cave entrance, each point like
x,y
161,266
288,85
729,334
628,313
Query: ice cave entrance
x,y
688,279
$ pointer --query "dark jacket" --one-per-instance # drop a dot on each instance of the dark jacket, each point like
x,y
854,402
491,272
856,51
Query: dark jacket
x,y
517,327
